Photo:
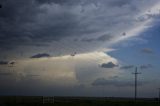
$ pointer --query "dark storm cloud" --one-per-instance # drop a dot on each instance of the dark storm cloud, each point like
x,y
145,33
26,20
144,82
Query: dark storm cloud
x,y
113,82
4,62
15,17
127,67
69,2
7,62
147,51
39,22
146,66
47,1
40,55
119,3
108,65
103,38
19,24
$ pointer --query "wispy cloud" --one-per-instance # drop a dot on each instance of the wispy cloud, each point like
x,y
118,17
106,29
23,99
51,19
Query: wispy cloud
x,y
143,66
146,66
147,51
127,67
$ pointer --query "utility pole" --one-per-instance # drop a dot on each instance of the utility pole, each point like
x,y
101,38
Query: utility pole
x,y
159,94
135,92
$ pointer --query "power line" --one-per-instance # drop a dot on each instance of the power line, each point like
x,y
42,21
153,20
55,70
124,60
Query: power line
x,y
136,75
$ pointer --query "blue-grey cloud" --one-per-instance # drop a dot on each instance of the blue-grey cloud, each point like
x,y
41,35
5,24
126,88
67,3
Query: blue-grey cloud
x,y
60,2
103,38
108,65
40,55
19,24
127,67
29,22
119,3
51,23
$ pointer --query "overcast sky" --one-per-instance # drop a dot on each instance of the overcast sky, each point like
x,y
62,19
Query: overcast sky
x,y
79,47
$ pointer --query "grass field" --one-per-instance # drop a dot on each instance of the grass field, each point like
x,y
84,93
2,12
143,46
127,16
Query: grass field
x,y
75,101
92,103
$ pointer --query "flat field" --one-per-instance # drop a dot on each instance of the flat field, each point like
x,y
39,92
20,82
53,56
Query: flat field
x,y
79,101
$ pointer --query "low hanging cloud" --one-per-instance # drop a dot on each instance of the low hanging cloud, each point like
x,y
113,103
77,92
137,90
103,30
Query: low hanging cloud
x,y
127,67
109,65
147,66
147,50
4,62
40,55
12,62
113,82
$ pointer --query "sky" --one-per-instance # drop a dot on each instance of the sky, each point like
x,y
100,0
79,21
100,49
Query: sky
x,y
79,47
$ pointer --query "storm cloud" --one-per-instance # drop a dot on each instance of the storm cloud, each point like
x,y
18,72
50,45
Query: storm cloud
x,y
40,55
103,38
108,65
31,30
4,62
50,23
